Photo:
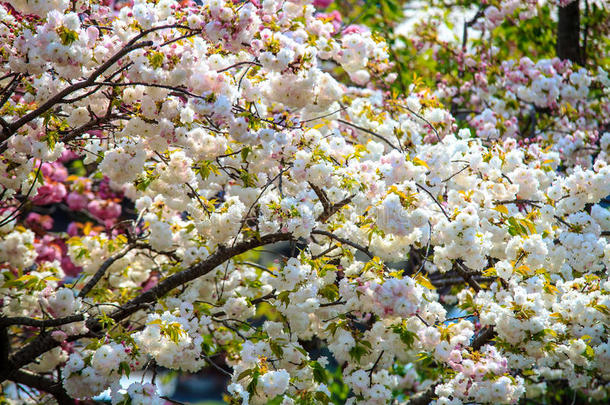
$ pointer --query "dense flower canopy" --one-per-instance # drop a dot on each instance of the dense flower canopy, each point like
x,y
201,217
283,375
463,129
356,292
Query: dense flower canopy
x,y
443,199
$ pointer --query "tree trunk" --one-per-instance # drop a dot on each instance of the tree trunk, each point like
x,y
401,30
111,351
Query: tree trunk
x,y
568,33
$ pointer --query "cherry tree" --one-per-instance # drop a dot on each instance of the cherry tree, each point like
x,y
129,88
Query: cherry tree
x,y
440,184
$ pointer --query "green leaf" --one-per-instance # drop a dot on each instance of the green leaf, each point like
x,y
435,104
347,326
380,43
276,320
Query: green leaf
x,y
244,153
244,374
424,281
589,353
144,181
406,336
67,36
249,179
603,309
77,168
322,397
252,386
276,349
359,350
155,59
319,373
330,292
205,168
124,368
283,297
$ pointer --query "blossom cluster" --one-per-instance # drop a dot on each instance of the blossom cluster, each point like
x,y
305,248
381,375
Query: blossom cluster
x,y
181,140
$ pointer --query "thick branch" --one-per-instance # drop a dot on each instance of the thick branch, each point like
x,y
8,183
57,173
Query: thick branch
x,y
40,323
221,255
568,33
44,343
467,275
423,398
484,336
77,86
42,384
9,90
5,347
329,208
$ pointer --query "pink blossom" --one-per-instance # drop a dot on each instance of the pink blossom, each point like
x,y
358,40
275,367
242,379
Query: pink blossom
x,y
68,155
59,335
47,251
70,268
72,229
43,221
333,17
355,29
322,3
150,283
56,171
76,201
50,193
104,209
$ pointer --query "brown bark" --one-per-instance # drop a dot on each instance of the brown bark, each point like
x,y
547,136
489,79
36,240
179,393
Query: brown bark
x,y
45,342
568,33
43,384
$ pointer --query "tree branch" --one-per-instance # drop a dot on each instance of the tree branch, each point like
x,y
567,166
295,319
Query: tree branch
x,y
329,208
42,384
133,44
435,200
44,343
484,336
568,32
348,242
40,323
423,398
102,270
368,131
467,275
76,86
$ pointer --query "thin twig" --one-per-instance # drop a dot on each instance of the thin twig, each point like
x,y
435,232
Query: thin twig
x,y
102,270
348,242
427,250
239,64
15,213
434,199
368,131
370,370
